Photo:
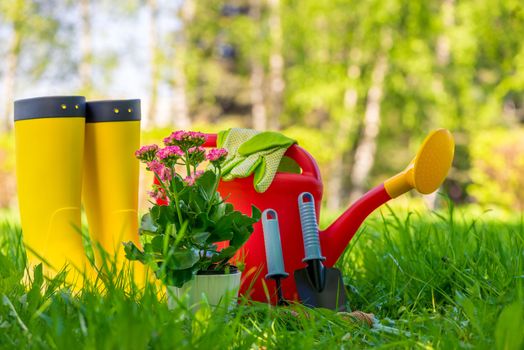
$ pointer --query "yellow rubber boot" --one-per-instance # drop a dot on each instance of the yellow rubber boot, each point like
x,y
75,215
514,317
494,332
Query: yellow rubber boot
x,y
49,134
110,189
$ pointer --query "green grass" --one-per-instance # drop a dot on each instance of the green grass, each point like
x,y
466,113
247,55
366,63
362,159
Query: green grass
x,y
439,280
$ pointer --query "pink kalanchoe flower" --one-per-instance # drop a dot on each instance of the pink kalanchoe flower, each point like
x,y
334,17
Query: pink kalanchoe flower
x,y
190,180
157,193
196,155
155,166
185,139
193,150
163,172
147,153
169,155
166,174
175,136
217,155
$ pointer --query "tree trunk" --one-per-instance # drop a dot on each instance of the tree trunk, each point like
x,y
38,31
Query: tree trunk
x,y
443,49
367,145
154,62
11,67
338,167
258,108
86,48
276,66
180,104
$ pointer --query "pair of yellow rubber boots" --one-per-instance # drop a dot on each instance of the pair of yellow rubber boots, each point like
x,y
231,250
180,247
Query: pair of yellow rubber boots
x,y
70,151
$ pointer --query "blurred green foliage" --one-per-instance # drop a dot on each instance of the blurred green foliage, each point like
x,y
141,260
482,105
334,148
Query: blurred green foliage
x,y
498,168
335,75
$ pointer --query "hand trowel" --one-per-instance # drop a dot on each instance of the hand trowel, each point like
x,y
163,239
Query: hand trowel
x,y
317,285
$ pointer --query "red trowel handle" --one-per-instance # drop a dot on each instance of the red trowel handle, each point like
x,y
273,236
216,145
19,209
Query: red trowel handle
x,y
304,160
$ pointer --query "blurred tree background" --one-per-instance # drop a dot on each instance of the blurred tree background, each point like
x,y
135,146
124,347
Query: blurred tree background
x,y
358,83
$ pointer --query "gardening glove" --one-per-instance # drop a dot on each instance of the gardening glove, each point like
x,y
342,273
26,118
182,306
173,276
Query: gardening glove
x,y
250,151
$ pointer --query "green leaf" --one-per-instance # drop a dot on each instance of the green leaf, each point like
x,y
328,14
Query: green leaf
x,y
182,259
206,184
225,254
218,211
177,278
229,208
241,236
147,226
256,214
179,185
162,215
200,237
132,252
508,331
157,243
201,223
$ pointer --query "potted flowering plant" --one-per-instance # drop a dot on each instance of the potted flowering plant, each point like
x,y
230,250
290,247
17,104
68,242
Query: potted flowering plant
x,y
180,236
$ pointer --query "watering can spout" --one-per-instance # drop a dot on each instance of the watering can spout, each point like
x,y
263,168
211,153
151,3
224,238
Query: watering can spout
x,y
425,173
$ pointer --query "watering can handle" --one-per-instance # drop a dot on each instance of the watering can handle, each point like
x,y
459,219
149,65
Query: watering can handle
x,y
304,160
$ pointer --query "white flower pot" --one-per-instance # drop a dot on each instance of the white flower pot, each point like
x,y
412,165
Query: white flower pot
x,y
214,289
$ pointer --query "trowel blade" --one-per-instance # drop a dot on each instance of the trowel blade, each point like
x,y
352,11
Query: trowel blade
x,y
333,296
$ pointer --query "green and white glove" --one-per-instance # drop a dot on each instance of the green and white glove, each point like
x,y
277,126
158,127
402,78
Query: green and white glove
x,y
250,151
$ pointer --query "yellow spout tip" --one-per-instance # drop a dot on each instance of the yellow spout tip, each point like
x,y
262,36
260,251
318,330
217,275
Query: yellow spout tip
x,y
428,169
433,161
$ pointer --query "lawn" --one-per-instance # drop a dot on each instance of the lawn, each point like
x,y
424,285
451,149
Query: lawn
x,y
442,280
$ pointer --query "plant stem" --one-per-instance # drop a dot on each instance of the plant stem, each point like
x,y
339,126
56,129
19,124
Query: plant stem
x,y
215,187
188,166
178,209
175,197
175,194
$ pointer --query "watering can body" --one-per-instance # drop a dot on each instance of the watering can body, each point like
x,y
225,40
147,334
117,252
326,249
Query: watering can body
x,y
282,196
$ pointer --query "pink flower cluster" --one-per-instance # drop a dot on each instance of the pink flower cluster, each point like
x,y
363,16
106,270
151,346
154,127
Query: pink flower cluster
x,y
217,155
157,193
183,148
163,172
147,153
196,155
185,139
170,154
198,149
190,180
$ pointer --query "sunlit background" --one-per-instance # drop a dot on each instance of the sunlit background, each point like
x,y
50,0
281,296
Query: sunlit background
x,y
358,83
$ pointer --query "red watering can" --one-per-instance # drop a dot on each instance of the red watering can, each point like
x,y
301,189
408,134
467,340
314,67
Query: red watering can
x,y
425,173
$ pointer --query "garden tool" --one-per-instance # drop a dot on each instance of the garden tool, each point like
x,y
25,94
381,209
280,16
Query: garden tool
x,y
274,258
49,137
110,189
317,285
425,173
251,152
